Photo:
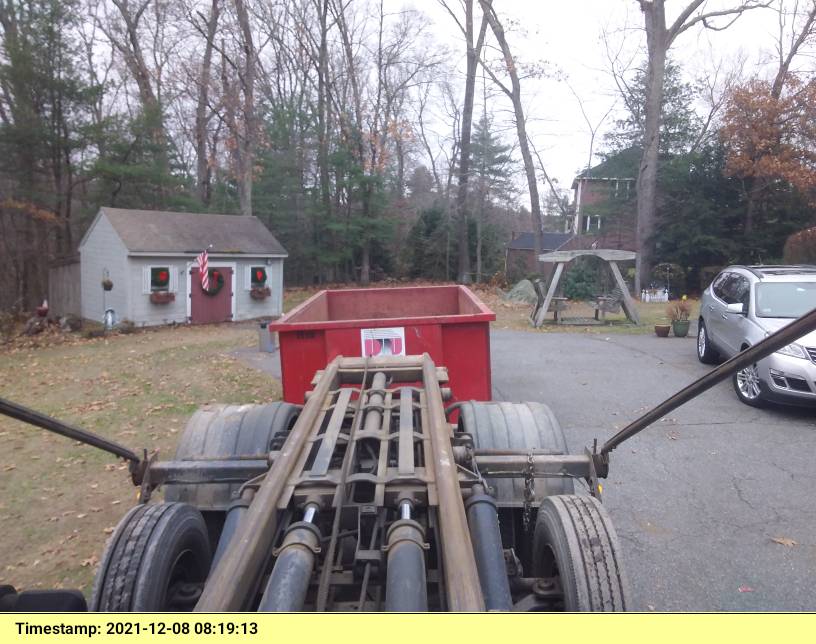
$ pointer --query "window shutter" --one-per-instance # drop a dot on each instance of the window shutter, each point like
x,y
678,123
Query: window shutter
x,y
174,273
247,277
146,280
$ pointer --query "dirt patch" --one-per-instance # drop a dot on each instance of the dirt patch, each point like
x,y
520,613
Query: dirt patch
x,y
59,500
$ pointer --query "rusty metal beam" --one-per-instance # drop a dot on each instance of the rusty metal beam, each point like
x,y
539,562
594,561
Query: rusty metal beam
x,y
463,590
237,573
506,464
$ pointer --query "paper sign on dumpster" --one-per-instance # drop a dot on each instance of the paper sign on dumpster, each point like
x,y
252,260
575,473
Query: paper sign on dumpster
x,y
383,342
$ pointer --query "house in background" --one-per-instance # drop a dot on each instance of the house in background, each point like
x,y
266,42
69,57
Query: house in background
x,y
605,204
150,259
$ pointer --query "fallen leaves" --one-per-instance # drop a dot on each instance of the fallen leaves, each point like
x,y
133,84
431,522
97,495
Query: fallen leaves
x,y
785,541
90,562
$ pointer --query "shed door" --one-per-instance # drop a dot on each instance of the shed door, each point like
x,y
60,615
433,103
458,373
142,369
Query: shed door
x,y
206,308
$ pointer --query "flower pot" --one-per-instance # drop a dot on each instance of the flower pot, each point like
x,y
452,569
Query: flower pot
x,y
662,330
162,297
680,328
107,285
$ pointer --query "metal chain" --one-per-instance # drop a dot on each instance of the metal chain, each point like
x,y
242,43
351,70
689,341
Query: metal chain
x,y
529,493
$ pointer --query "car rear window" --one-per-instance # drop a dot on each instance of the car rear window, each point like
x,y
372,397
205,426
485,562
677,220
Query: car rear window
x,y
785,299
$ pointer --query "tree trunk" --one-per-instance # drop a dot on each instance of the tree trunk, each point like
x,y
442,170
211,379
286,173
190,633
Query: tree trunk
x,y
463,270
479,243
657,46
245,140
514,93
203,170
132,52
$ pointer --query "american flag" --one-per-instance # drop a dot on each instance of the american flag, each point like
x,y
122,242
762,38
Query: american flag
x,y
202,270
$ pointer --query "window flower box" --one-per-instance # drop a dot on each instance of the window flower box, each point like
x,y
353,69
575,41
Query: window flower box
x,y
260,292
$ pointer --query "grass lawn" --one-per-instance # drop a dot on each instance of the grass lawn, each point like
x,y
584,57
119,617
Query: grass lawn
x,y
59,499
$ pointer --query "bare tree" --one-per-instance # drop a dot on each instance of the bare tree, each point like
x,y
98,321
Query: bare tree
x,y
473,54
659,38
514,94
244,130
127,37
203,112
593,131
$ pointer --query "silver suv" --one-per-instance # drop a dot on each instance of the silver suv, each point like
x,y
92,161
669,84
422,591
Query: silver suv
x,y
743,305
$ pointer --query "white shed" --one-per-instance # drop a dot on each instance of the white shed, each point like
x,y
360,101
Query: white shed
x,y
150,258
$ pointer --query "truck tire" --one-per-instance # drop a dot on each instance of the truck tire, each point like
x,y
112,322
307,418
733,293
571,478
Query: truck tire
x,y
523,426
574,539
156,560
228,432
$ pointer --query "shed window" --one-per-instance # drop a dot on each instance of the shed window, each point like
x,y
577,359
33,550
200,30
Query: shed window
x,y
159,278
258,276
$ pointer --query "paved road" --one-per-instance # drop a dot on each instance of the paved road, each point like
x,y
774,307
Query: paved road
x,y
697,498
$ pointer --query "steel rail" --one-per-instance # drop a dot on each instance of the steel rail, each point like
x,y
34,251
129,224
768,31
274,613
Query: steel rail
x,y
238,570
781,338
360,417
27,415
462,587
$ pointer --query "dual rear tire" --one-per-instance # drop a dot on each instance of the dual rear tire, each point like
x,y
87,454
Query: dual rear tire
x,y
574,540
157,560
159,556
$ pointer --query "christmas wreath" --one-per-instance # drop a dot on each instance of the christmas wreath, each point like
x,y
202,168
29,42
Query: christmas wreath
x,y
258,276
216,279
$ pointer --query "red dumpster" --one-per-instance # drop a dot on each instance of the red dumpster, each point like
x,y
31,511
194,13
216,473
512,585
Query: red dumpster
x,y
448,322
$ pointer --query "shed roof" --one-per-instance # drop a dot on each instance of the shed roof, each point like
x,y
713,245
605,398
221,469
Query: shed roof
x,y
145,231
549,241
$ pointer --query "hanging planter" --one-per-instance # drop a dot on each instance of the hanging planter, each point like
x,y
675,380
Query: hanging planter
x,y
107,284
216,282
260,292
162,297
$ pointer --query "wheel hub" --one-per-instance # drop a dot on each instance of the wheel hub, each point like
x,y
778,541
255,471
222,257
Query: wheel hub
x,y
748,382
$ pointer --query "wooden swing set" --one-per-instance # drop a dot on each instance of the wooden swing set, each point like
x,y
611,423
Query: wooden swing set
x,y
603,304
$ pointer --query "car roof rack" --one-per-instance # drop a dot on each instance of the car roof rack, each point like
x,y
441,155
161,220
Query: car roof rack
x,y
781,269
750,269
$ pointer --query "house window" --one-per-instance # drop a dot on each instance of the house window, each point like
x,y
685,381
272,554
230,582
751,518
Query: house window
x,y
257,276
159,278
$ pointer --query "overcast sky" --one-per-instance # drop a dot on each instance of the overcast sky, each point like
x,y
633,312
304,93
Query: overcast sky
x,y
567,34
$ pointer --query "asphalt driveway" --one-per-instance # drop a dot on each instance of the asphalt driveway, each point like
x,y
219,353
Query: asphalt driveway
x,y
698,498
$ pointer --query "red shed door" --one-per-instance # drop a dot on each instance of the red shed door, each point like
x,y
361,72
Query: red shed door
x,y
205,308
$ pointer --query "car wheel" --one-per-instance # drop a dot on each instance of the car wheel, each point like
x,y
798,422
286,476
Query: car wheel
x,y
706,353
748,387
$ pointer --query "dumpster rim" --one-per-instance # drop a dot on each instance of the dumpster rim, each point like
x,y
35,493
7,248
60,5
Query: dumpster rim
x,y
282,325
